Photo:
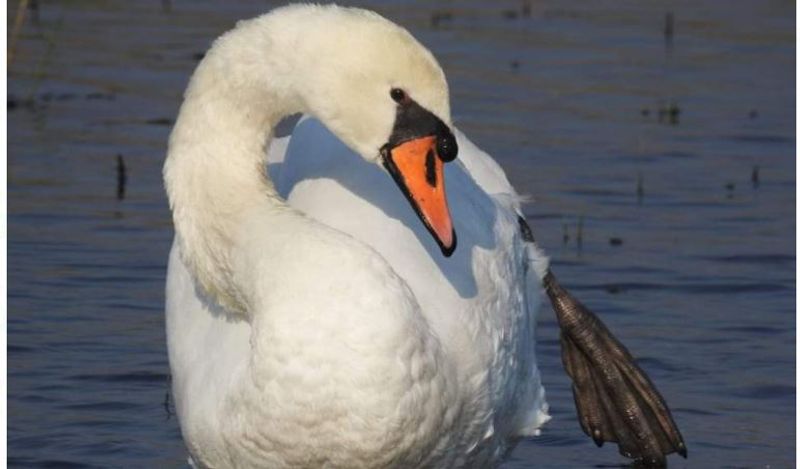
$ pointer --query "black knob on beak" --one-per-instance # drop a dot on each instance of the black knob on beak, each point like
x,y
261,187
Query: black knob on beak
x,y
446,145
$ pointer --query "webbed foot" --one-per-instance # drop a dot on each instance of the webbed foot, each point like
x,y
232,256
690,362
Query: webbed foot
x,y
616,401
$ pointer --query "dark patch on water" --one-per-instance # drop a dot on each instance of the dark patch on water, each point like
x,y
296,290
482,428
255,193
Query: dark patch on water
x,y
763,139
47,464
599,192
132,377
562,262
167,121
698,412
767,391
752,330
757,259
652,364
697,289
103,406
14,349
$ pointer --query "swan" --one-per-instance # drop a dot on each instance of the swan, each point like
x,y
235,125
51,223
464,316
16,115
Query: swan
x,y
366,295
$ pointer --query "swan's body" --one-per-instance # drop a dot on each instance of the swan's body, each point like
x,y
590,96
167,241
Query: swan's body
x,y
312,320
479,325
341,337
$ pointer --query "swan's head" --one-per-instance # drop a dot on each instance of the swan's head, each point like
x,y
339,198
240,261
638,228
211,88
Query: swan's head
x,y
367,79
385,96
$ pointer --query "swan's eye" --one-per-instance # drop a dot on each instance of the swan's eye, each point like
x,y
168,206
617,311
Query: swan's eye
x,y
398,95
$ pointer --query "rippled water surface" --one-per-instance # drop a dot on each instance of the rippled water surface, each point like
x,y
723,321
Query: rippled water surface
x,y
650,148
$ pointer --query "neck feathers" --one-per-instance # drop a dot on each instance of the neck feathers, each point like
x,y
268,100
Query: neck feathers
x,y
214,172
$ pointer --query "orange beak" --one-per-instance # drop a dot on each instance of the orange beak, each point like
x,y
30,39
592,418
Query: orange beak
x,y
419,171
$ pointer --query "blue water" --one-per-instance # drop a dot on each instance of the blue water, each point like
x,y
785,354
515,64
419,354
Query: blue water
x,y
699,280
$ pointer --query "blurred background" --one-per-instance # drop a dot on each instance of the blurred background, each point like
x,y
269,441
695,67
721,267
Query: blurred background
x,y
656,140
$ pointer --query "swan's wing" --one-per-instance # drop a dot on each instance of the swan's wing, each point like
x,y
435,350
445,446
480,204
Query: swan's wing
x,y
485,170
616,400
492,179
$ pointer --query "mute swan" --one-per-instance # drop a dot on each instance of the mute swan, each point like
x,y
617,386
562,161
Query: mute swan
x,y
348,323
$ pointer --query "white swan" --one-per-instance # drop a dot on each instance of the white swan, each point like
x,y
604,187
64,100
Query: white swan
x,y
318,316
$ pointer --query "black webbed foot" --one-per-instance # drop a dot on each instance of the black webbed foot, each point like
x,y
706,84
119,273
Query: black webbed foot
x,y
616,400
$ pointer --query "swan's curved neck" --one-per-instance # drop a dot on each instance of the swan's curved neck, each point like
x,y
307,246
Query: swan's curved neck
x,y
214,172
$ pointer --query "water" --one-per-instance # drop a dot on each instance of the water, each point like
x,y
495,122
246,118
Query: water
x,y
701,287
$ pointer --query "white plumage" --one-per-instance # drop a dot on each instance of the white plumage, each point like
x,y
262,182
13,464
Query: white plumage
x,y
312,320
